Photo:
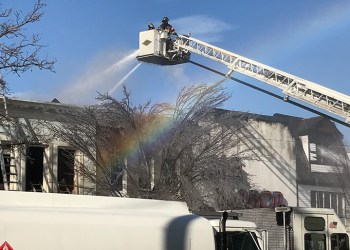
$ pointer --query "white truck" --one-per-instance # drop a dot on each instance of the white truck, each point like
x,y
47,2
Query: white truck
x,y
300,228
34,221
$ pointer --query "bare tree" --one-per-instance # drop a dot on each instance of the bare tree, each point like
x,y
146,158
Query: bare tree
x,y
197,163
86,130
189,147
99,133
20,51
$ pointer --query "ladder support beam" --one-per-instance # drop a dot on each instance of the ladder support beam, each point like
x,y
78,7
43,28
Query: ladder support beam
x,y
292,86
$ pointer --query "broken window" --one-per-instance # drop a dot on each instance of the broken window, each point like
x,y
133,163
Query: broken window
x,y
34,169
117,177
7,170
65,170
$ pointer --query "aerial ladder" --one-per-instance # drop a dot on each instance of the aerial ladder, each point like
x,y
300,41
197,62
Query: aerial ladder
x,y
159,47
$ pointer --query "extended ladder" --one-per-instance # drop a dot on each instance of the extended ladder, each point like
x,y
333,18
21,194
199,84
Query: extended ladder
x,y
37,187
63,187
312,93
8,171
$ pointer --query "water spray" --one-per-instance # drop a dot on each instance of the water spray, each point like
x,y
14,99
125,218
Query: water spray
x,y
123,79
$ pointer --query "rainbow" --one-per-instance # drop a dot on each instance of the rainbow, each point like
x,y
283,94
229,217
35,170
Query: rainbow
x,y
148,133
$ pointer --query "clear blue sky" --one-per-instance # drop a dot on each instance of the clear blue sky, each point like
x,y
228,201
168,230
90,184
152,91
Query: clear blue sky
x,y
95,43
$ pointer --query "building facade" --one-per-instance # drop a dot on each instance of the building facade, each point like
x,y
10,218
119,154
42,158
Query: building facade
x,y
293,161
301,160
33,159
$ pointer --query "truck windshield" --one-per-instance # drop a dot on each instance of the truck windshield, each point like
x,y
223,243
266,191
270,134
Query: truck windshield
x,y
239,240
314,241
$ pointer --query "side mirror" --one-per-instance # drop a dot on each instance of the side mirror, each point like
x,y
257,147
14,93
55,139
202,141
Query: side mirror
x,y
283,213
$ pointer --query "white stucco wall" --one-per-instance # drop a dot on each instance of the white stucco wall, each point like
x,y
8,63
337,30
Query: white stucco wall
x,y
272,165
50,159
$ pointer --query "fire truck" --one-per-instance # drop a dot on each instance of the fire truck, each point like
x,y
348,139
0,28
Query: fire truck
x,y
288,228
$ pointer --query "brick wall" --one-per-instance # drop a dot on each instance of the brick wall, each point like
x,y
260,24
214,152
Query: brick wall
x,y
265,219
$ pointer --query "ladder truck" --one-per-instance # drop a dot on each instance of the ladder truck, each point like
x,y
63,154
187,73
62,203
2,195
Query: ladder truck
x,y
313,228
154,48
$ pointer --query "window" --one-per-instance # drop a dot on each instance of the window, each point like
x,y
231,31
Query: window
x,y
34,168
65,170
314,223
7,170
117,177
318,157
239,240
333,200
314,241
339,242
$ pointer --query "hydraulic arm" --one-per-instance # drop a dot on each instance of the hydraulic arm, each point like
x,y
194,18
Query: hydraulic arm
x,y
291,86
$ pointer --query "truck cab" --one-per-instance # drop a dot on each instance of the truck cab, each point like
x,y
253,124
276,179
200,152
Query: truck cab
x,y
239,234
319,228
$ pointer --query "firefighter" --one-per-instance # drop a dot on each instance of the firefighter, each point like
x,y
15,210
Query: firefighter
x,y
170,31
166,26
150,26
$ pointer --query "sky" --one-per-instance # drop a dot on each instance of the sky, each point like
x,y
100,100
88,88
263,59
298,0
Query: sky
x,y
96,42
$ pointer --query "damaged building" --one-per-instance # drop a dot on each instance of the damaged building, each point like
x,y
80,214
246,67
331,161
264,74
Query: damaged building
x,y
34,159
294,161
